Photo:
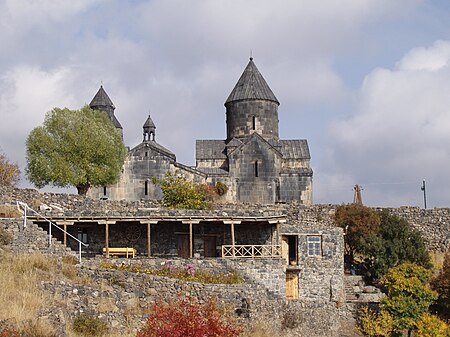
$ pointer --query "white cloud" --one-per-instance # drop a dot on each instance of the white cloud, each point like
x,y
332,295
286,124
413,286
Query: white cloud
x,y
26,95
398,134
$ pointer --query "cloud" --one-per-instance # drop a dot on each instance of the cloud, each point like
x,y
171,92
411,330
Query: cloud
x,y
398,133
26,94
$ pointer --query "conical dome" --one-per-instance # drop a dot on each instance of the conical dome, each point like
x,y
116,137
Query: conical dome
x,y
252,107
149,129
251,86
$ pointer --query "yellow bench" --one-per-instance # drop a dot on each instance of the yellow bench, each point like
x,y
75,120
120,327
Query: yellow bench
x,y
128,252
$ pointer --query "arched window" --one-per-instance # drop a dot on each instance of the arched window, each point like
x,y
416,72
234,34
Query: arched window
x,y
254,122
146,188
256,169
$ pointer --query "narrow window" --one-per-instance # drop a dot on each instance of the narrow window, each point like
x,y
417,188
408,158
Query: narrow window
x,y
314,243
256,168
82,235
104,191
146,153
254,122
146,188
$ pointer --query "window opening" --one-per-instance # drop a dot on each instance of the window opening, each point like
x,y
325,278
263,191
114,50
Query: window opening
x,y
146,188
104,190
256,169
146,154
82,235
314,245
254,122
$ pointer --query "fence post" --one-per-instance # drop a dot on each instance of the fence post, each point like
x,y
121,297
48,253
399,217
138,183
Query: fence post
x,y
79,250
25,216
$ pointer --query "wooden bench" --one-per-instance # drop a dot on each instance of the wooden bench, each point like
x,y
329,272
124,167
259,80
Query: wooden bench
x,y
128,252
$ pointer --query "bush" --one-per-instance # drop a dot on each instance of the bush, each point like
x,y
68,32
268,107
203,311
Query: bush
x,y
431,326
187,318
375,324
441,284
9,173
221,188
89,326
5,237
178,192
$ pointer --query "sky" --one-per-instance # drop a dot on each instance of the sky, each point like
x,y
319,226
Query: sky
x,y
366,82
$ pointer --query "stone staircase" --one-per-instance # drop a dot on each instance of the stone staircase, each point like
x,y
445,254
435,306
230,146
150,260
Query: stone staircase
x,y
33,239
357,291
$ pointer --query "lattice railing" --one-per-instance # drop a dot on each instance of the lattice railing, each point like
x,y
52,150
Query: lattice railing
x,y
251,251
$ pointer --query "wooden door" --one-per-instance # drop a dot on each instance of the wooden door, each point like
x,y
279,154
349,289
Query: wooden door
x,y
285,249
183,246
209,247
291,286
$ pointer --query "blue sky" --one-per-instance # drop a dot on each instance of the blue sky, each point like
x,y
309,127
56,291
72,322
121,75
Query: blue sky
x,y
367,82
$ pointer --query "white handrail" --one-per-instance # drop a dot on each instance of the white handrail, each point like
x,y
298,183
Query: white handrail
x,y
50,224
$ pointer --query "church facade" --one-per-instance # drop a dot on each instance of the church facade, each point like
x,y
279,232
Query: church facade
x,y
253,162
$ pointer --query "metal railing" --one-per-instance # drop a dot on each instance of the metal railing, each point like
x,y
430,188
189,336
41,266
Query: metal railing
x,y
51,224
251,251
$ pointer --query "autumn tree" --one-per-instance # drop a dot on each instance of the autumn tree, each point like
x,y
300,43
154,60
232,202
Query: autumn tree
x,y
359,223
408,295
441,284
9,172
179,192
80,148
397,242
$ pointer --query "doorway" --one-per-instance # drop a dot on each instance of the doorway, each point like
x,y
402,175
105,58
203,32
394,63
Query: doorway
x,y
292,286
209,246
289,249
183,246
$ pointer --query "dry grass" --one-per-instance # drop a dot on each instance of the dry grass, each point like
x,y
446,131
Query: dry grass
x,y
7,211
262,328
20,295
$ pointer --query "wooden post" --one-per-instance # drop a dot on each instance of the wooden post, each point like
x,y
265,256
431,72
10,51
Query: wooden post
x,y
107,238
191,242
278,232
149,248
65,235
232,237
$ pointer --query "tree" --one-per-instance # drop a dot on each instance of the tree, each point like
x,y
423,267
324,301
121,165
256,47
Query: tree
x,y
409,295
359,222
397,242
9,173
80,148
441,284
178,192
187,318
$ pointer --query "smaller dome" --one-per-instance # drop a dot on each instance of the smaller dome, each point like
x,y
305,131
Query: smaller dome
x,y
149,129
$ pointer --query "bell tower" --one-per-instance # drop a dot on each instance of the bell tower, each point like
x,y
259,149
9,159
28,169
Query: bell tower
x,y
252,107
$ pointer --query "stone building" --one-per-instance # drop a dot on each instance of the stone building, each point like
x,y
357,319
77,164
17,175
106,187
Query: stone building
x,y
255,164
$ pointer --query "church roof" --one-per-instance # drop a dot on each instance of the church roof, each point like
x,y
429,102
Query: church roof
x,y
295,149
210,149
251,85
101,98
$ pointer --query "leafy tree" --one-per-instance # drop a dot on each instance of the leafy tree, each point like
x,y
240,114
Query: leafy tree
x,y
397,242
80,148
432,326
178,192
409,295
375,324
9,173
441,284
188,318
359,222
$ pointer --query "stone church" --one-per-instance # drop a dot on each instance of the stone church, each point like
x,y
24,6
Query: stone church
x,y
255,164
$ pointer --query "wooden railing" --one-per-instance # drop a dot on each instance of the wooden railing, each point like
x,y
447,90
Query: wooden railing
x,y
251,251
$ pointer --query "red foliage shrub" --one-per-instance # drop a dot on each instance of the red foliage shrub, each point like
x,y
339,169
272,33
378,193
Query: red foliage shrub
x,y
187,318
